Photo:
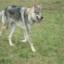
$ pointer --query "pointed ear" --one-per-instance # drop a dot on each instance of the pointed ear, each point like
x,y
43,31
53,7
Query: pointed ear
x,y
39,6
35,5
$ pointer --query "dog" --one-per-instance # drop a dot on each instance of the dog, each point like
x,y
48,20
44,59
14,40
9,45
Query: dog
x,y
22,17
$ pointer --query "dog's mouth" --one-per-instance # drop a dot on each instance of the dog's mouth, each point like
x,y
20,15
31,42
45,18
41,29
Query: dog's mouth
x,y
38,20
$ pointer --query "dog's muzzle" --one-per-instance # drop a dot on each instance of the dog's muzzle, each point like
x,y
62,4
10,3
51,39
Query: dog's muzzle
x,y
39,18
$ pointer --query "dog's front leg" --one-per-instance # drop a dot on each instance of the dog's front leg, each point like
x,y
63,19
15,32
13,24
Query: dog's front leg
x,y
27,29
28,37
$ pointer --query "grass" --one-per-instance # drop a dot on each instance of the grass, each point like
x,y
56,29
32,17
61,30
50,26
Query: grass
x,y
48,37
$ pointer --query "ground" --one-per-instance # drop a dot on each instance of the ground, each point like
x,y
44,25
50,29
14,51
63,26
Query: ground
x,y
48,37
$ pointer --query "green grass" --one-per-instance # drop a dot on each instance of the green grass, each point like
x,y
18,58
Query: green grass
x,y
48,37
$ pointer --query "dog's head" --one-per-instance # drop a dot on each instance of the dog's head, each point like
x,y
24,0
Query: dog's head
x,y
36,13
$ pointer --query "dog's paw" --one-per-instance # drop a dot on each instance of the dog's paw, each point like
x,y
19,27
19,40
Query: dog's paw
x,y
24,41
11,44
33,49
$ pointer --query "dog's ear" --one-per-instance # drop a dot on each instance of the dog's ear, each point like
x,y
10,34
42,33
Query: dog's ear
x,y
37,5
34,5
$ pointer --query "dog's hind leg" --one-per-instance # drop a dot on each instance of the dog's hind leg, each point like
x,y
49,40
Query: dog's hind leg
x,y
13,27
3,22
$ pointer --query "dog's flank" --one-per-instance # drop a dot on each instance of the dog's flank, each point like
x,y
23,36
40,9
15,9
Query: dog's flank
x,y
22,17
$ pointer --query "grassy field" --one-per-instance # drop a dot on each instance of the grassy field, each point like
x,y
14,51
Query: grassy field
x,y
48,37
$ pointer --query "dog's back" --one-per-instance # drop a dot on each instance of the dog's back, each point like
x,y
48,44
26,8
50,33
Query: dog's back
x,y
13,12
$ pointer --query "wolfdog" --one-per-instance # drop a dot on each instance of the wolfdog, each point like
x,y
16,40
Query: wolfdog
x,y
22,17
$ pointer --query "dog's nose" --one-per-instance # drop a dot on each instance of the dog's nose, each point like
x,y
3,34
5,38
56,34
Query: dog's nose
x,y
37,17
42,17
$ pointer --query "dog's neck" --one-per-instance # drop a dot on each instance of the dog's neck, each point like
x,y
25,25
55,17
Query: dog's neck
x,y
29,13
30,10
